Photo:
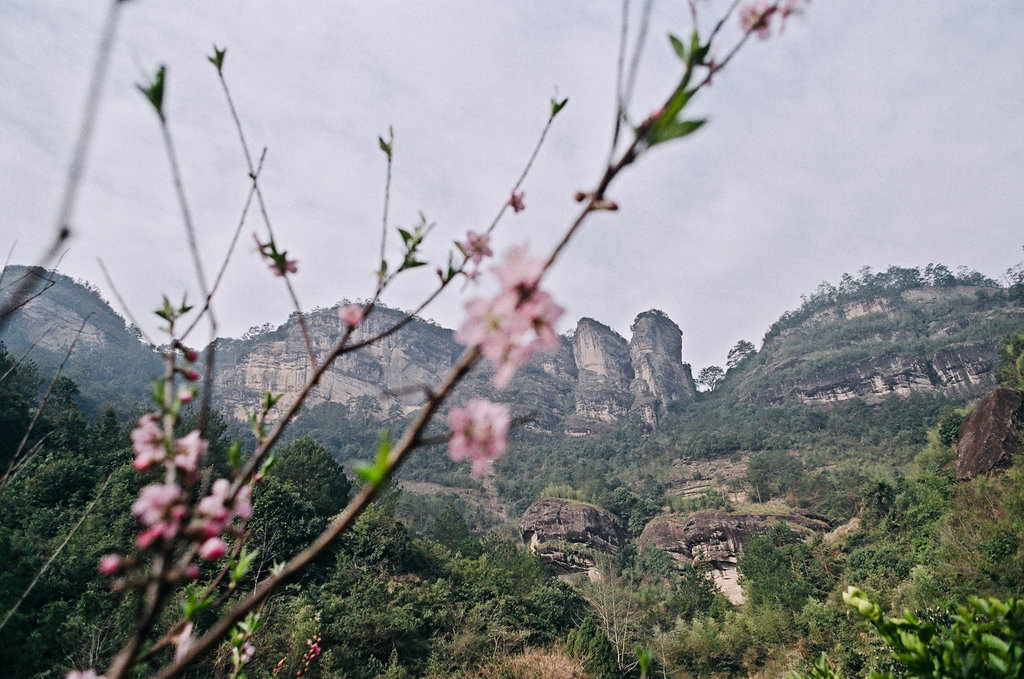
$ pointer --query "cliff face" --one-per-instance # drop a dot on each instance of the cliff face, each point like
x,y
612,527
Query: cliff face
x,y
992,435
717,538
602,359
659,374
388,372
591,381
922,340
570,536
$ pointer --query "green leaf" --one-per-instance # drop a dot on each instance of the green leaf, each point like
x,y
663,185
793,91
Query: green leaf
x,y
241,565
406,236
661,132
377,472
192,604
235,454
218,58
678,46
557,106
386,146
154,92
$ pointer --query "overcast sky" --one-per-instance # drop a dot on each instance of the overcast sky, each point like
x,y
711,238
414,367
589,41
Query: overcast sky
x,y
867,134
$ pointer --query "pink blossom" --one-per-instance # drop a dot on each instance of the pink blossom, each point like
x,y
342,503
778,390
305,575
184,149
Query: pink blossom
x,y
246,653
190,374
213,549
519,272
148,442
155,502
756,16
478,246
243,502
350,314
87,674
212,510
516,202
479,433
111,564
189,451
190,355
543,313
186,394
159,507
518,320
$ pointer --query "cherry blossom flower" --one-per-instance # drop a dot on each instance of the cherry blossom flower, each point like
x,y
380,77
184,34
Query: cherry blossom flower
x,y
189,452
479,433
478,246
519,272
148,442
213,549
87,674
518,320
350,314
111,564
516,202
159,507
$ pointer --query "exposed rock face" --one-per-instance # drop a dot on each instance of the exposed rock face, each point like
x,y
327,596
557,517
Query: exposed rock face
x,y
569,535
659,374
387,372
992,435
718,537
604,372
923,340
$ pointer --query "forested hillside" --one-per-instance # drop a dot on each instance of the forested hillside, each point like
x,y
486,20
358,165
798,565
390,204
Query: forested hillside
x,y
720,540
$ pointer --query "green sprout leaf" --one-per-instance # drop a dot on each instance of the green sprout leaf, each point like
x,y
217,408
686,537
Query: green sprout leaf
x,y
154,92
678,46
377,472
193,603
235,455
557,106
674,129
386,146
241,565
218,58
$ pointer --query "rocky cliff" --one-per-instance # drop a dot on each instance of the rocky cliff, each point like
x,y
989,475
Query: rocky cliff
x,y
991,437
659,374
570,536
922,340
717,538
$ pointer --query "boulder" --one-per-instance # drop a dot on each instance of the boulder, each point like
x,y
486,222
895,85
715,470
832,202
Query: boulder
x,y
992,435
717,538
570,536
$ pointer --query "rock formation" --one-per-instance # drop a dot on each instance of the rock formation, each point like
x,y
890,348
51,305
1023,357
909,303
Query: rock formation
x,y
604,370
570,536
717,538
659,374
992,435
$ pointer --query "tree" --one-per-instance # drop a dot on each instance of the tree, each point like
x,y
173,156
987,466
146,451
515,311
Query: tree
x,y
739,354
710,377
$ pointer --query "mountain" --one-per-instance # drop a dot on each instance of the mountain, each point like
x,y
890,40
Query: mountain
x,y
868,341
109,361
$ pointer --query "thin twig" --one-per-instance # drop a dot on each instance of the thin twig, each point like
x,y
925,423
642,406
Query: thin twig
x,y
120,300
76,168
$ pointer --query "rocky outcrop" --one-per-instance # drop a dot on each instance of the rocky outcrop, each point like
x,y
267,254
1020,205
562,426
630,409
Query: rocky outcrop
x,y
933,340
659,374
570,536
386,373
992,435
717,538
604,372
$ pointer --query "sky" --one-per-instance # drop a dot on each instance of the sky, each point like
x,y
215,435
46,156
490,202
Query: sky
x,y
870,134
